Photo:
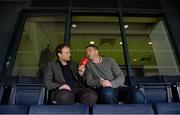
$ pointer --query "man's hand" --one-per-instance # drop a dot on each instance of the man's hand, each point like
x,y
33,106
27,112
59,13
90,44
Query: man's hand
x,y
65,86
81,70
105,83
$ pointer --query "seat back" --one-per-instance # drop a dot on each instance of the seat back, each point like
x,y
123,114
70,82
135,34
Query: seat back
x,y
1,92
27,95
171,79
59,109
177,86
157,92
13,109
10,80
168,108
30,80
148,79
123,109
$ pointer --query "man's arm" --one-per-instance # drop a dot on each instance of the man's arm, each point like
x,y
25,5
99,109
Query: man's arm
x,y
48,79
91,81
118,73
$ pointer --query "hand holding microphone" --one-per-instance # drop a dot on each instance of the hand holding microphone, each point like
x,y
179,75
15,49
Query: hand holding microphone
x,y
84,61
82,65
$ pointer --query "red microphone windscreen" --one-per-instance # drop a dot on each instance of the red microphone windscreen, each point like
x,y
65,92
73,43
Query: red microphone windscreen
x,y
84,61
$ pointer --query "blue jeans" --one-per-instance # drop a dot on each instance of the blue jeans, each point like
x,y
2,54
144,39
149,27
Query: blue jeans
x,y
108,95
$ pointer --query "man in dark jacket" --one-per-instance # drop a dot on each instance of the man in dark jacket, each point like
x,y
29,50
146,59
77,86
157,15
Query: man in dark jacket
x,y
65,81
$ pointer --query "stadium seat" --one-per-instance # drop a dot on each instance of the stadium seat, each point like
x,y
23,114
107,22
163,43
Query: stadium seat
x,y
29,80
171,79
1,91
177,85
168,108
13,109
9,79
134,81
27,95
123,109
157,92
59,109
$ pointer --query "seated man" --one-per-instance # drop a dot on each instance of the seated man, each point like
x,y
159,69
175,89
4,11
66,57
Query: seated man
x,y
63,78
104,74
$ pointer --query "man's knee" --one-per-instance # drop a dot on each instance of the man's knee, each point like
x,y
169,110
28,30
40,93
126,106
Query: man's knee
x,y
108,95
89,97
63,96
107,92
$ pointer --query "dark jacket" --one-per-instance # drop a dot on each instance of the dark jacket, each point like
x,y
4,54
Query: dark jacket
x,y
53,76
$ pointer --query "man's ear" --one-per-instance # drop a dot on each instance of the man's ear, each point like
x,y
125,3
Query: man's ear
x,y
97,52
59,54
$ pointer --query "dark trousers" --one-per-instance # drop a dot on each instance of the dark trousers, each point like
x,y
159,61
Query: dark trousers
x,y
81,95
108,95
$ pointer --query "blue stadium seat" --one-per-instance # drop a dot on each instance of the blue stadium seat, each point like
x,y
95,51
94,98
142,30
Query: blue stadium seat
x,y
168,108
123,109
134,81
13,109
30,80
157,92
59,109
27,95
9,79
171,79
1,92
177,86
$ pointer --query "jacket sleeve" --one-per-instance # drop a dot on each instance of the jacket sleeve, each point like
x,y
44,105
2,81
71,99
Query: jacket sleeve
x,y
119,75
48,78
90,80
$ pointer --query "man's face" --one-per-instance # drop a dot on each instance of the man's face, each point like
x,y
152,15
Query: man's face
x,y
91,52
65,55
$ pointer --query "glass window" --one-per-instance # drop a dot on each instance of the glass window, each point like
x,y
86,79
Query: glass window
x,y
102,31
39,39
150,46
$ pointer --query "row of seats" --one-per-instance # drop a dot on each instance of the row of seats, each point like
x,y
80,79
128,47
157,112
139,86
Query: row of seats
x,y
21,80
158,88
23,94
160,108
135,80
154,92
44,109
36,94
29,95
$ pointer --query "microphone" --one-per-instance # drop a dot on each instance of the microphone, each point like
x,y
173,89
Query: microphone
x,y
84,61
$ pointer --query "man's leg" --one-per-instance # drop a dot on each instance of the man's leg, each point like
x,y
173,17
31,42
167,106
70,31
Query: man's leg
x,y
85,96
130,95
62,96
107,95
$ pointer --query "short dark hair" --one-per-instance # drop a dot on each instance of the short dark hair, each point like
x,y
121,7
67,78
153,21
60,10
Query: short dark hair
x,y
60,47
93,46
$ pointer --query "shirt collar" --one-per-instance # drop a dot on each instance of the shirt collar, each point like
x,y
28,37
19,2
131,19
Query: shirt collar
x,y
100,60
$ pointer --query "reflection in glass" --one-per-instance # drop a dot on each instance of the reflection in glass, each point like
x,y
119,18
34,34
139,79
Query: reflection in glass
x,y
149,45
39,39
102,31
